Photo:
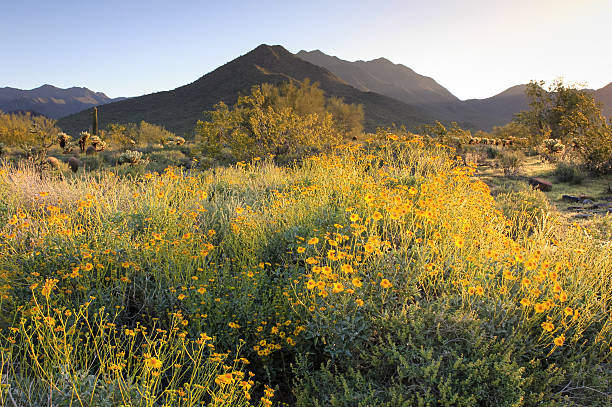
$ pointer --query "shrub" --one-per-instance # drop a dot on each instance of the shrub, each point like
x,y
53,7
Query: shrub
x,y
426,355
570,173
511,161
525,207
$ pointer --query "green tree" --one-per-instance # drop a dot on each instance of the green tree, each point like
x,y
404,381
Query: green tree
x,y
281,120
32,134
572,116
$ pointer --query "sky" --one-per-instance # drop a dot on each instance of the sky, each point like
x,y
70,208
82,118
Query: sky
x,y
474,48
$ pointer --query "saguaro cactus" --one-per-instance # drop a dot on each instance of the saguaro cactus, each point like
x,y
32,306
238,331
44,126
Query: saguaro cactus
x,y
94,126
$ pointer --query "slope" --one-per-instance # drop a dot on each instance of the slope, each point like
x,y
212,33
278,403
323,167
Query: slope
x,y
179,109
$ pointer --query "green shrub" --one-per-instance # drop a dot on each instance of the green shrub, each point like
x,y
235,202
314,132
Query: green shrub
x,y
421,356
511,161
570,173
492,152
525,207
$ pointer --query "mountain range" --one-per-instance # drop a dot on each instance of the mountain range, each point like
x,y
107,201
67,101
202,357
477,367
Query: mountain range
x,y
51,101
179,109
390,93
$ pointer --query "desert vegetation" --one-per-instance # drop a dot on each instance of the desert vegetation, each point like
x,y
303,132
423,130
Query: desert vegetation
x,y
284,257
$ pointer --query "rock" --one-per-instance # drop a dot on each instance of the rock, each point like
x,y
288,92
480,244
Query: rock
x,y
583,216
74,164
541,184
583,197
91,150
570,198
587,202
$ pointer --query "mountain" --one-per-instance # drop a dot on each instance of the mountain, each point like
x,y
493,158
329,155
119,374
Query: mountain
x,y
604,95
51,101
402,83
384,77
178,110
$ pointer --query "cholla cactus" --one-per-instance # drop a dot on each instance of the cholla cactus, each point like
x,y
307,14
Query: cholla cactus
x,y
130,157
98,144
83,140
176,141
63,139
553,145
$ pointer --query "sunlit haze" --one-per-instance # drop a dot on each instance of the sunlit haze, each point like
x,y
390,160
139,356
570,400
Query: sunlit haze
x,y
473,48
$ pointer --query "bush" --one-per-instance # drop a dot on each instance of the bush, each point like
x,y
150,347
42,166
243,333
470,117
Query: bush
x,y
570,173
525,207
421,356
511,161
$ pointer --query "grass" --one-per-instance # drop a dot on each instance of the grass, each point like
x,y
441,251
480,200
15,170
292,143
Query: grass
x,y
382,273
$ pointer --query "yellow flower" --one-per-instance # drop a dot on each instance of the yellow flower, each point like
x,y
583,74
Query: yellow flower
x,y
547,326
559,340
459,242
386,283
357,282
301,249
359,302
311,284
152,362
224,379
568,311
377,216
337,287
346,268
239,211
181,297
525,302
354,217
540,307
313,241
312,260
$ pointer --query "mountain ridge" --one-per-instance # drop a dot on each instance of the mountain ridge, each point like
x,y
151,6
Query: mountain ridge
x,y
180,108
51,101
403,83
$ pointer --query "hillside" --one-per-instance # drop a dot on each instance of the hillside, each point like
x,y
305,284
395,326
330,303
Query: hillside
x,y
384,77
51,101
179,109
604,95
402,83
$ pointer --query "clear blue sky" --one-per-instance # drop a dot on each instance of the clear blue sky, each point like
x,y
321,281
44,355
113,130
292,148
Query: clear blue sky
x,y
475,48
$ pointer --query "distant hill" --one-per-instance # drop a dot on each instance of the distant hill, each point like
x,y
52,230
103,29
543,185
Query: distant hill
x,y
384,77
178,110
402,83
604,95
51,101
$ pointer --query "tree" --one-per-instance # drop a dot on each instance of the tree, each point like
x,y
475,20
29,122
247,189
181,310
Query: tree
x,y
572,116
279,120
32,134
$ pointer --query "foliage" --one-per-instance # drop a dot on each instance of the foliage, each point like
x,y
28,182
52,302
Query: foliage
x,y
572,116
510,161
570,173
283,121
32,134
512,130
133,135
378,270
